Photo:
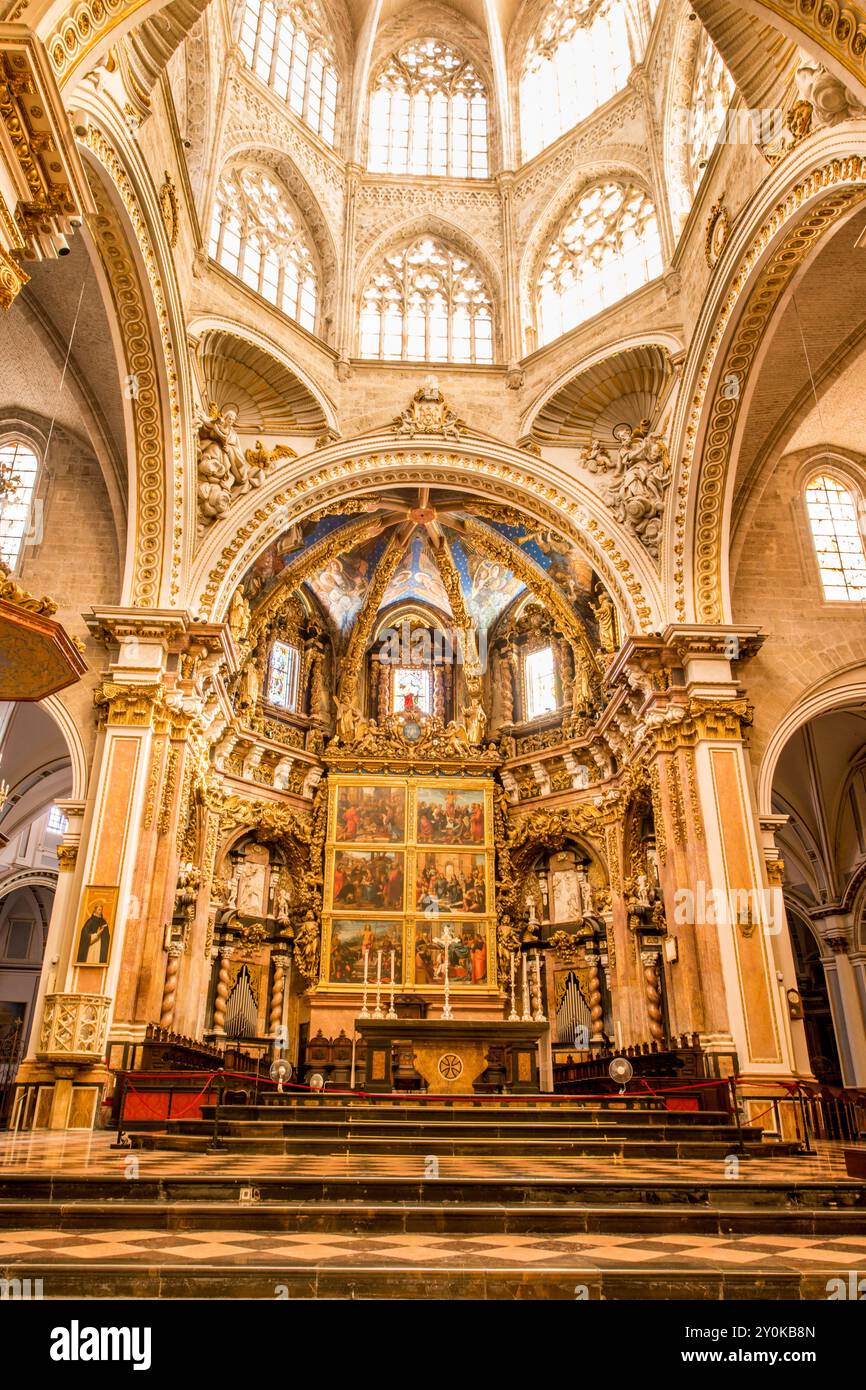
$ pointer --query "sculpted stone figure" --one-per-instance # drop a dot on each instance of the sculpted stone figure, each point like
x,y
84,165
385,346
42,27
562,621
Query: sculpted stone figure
x,y
225,469
475,717
239,616
639,480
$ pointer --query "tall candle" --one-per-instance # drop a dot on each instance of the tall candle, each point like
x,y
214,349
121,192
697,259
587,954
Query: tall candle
x,y
379,966
392,965
366,962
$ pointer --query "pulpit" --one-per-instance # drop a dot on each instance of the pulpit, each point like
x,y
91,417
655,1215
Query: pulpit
x,y
451,1056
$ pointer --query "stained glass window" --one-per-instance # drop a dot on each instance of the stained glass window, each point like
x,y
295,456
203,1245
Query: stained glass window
x,y
281,45
283,676
18,468
257,234
832,512
414,681
578,58
606,246
539,674
428,114
426,302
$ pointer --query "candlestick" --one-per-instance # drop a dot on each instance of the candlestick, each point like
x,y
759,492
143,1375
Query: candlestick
x,y
365,1012
527,1014
539,1016
377,1012
514,1016
446,942
391,1011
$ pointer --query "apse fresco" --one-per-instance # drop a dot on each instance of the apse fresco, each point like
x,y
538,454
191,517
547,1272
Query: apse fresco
x,y
488,586
564,565
286,550
417,577
342,583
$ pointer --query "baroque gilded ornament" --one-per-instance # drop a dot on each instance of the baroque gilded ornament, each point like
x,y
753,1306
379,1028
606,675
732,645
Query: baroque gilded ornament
x,y
429,413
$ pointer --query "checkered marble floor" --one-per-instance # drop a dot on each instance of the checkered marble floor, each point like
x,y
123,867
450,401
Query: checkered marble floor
x,y
252,1250
91,1153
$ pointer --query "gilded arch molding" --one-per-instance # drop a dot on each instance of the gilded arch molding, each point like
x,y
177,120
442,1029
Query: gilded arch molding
x,y
157,507
789,234
498,473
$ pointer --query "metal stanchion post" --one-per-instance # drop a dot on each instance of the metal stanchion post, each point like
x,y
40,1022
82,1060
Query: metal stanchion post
x,y
741,1147
216,1144
807,1137
122,1141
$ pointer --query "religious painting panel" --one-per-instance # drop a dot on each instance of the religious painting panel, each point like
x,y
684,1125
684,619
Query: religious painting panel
x,y
352,940
470,950
369,879
450,815
370,813
450,881
95,925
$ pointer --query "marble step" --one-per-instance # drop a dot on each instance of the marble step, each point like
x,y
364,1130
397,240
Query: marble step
x,y
422,1145
779,1196
363,1128
150,1280
431,1217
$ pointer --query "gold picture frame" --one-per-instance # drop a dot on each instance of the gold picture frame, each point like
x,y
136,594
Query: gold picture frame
x,y
360,846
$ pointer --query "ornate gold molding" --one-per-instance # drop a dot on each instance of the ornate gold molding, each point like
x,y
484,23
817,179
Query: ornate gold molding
x,y
67,856
43,177
142,362
130,705
501,482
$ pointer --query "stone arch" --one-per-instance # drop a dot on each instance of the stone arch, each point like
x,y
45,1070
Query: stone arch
x,y
851,691
550,496
815,188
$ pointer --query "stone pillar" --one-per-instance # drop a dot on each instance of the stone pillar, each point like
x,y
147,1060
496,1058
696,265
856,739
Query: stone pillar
x,y
846,999
786,971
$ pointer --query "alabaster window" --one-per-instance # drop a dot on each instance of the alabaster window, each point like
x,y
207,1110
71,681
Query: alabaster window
x,y
57,822
712,91
281,45
257,235
18,469
607,245
832,509
428,114
283,670
539,682
426,302
412,681
578,58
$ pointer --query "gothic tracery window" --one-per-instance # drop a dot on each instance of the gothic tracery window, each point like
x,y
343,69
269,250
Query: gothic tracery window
x,y
712,91
832,511
539,678
18,469
578,58
427,302
259,237
606,246
428,114
283,46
